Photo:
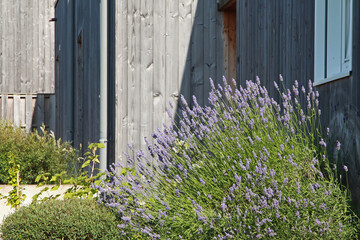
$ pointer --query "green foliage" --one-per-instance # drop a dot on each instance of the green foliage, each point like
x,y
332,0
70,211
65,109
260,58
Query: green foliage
x,y
15,196
81,185
35,152
62,219
43,179
246,167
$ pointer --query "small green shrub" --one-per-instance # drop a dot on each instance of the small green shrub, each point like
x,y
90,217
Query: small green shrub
x,y
35,152
62,219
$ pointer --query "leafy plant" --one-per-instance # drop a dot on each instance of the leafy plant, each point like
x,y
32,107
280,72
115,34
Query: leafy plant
x,y
15,196
44,179
62,219
36,153
244,167
81,185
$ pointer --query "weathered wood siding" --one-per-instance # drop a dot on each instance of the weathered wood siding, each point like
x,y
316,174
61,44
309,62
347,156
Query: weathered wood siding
x,y
275,37
27,83
27,46
77,71
340,104
162,49
28,111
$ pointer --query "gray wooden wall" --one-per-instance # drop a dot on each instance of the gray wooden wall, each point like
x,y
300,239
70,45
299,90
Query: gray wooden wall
x,y
340,104
162,49
27,83
77,71
27,46
28,111
277,37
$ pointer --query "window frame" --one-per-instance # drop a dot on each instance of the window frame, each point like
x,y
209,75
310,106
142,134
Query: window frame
x,y
224,4
330,63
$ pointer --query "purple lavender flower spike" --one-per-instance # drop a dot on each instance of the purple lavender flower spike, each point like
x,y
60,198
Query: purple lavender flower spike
x,y
322,143
257,80
303,89
126,219
286,181
338,144
317,221
276,86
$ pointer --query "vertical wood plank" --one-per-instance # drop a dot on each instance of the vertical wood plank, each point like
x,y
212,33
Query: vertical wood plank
x,y
210,9
146,68
22,112
159,85
132,58
41,49
197,50
9,108
29,46
40,111
46,110
121,76
22,35
4,36
185,30
29,112
46,39
219,53
50,48
137,75
36,45
52,112
17,50
3,106
172,53
14,47
207,8
16,110
34,122
10,46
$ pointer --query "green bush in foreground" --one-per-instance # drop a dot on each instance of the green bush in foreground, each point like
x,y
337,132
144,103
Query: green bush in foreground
x,y
35,152
61,219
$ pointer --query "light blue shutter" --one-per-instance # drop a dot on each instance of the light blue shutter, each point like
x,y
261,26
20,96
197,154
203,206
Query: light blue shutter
x,y
334,37
319,44
347,35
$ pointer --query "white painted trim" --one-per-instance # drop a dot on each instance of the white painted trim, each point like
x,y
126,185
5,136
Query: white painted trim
x,y
337,64
332,78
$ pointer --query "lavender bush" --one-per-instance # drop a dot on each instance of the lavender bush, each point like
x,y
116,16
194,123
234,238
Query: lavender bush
x,y
244,167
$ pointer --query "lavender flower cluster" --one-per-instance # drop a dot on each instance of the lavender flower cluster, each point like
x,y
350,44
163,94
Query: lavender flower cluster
x,y
246,166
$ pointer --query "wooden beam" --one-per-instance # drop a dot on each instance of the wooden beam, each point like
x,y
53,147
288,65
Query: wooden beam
x,y
225,4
